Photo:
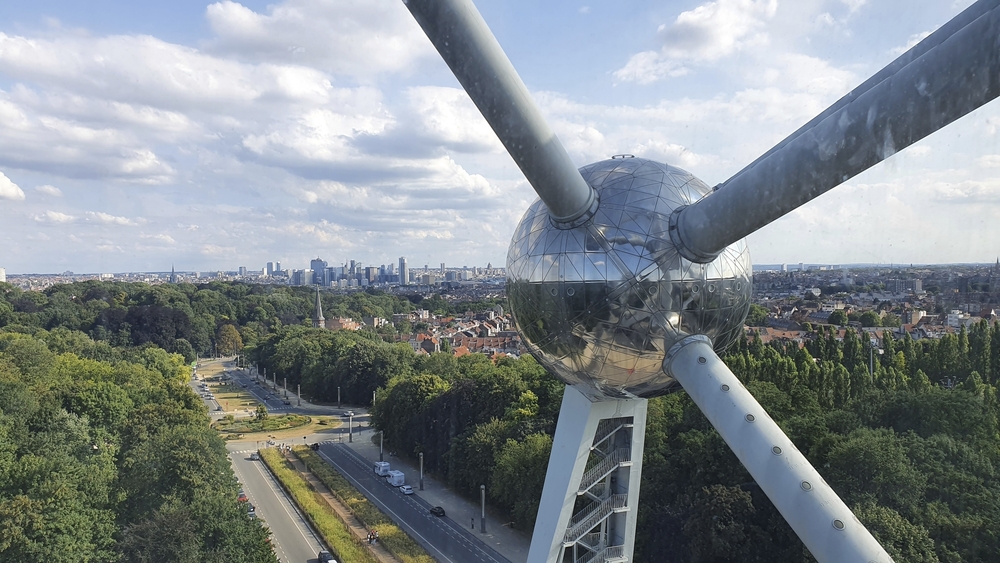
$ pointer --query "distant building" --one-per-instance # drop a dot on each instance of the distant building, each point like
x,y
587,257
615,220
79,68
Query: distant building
x,y
318,320
3,275
270,269
243,270
404,272
173,275
318,267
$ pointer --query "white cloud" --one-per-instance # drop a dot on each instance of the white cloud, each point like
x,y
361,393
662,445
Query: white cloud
x,y
990,161
10,190
109,219
338,36
854,5
584,9
49,190
54,217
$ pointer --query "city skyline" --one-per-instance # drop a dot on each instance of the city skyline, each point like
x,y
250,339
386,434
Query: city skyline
x,y
216,134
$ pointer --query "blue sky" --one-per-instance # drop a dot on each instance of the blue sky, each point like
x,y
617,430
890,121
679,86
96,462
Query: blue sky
x,y
212,135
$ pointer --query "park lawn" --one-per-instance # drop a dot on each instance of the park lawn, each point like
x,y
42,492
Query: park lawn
x,y
395,540
337,536
269,424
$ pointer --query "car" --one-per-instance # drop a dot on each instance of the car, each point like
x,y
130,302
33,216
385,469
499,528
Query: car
x,y
255,456
241,496
252,511
218,408
325,557
348,413
406,490
314,447
437,511
287,402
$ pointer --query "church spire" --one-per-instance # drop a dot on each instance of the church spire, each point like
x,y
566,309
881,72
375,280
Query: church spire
x,y
318,320
173,275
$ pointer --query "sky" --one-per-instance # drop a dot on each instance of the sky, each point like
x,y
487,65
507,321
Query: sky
x,y
211,135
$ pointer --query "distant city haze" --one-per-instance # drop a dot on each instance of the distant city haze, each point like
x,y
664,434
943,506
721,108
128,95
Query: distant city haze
x,y
213,136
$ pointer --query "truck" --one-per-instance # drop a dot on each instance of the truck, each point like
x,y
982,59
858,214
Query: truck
x,y
381,468
395,478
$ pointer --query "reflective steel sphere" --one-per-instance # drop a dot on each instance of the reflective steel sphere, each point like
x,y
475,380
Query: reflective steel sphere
x,y
600,304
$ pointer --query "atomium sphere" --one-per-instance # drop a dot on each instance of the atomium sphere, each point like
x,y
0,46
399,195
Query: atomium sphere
x,y
600,304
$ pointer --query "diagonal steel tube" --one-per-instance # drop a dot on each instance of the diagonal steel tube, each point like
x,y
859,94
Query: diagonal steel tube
x,y
952,72
460,35
812,508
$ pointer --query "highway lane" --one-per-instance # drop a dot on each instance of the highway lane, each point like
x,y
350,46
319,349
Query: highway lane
x,y
444,539
293,538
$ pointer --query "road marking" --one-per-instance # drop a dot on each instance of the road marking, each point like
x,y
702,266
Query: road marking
x,y
386,507
448,525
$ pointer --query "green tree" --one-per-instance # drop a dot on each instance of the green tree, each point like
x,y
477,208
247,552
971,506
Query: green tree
x,y
228,340
838,317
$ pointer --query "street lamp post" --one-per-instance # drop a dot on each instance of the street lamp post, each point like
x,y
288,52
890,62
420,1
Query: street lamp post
x,y
338,396
482,500
350,428
421,471
299,395
285,379
381,442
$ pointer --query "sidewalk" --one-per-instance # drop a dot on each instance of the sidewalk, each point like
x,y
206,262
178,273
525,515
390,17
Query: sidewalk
x,y
512,544
357,528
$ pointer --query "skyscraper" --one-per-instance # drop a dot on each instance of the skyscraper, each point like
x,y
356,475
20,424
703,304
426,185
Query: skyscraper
x,y
318,266
270,268
404,272
3,275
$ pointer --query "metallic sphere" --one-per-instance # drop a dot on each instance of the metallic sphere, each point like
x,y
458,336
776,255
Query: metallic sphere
x,y
600,304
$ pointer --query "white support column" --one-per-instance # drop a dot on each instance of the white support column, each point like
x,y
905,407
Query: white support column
x,y
822,521
579,420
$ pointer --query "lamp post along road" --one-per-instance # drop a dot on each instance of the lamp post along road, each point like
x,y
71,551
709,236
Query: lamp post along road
x,y
298,388
350,428
482,502
381,443
421,471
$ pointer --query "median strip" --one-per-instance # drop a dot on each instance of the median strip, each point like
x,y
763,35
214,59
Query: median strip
x,y
336,533
394,539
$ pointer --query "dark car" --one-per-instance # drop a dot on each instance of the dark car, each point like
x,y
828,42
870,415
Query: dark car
x,y
437,511
325,557
314,447
287,402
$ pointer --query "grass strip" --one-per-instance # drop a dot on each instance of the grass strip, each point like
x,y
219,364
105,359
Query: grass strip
x,y
335,532
395,540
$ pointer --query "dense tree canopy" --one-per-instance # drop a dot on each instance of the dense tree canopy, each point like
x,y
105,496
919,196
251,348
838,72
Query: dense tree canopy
x,y
106,455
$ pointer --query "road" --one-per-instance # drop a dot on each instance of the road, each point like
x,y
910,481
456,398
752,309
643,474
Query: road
x,y
293,539
444,539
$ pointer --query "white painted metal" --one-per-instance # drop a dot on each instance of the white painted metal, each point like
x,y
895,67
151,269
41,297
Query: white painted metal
x,y
579,419
825,524
464,41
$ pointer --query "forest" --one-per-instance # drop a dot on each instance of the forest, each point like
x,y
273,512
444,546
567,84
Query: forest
x,y
906,433
105,452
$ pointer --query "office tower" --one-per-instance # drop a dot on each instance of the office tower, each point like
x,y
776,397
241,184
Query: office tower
x,y
243,270
3,275
270,268
403,271
442,268
317,266
277,268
